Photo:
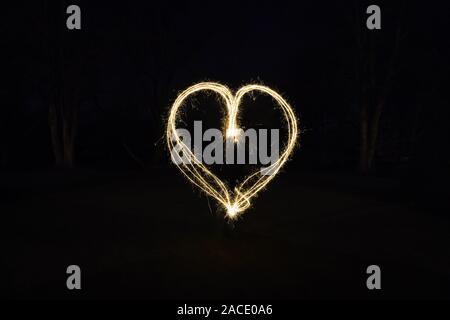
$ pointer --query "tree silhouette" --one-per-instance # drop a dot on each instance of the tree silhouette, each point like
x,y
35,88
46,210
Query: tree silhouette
x,y
376,63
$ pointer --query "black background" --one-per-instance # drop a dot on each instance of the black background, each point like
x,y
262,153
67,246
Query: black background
x,y
137,229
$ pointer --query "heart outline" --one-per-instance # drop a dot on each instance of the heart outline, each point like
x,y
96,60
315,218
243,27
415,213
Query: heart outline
x,y
198,174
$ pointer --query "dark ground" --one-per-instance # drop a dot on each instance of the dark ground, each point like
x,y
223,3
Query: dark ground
x,y
152,236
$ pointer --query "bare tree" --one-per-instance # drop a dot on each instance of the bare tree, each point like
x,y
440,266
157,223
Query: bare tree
x,y
63,111
374,78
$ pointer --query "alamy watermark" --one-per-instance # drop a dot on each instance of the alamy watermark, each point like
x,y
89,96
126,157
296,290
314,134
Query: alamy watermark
x,y
246,147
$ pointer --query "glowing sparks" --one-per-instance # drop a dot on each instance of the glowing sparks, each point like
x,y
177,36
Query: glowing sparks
x,y
232,210
233,133
238,201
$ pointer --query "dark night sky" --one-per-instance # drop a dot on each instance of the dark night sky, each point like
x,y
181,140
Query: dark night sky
x,y
131,58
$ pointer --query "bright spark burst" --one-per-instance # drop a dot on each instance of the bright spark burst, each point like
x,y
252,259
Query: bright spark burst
x,y
233,133
238,201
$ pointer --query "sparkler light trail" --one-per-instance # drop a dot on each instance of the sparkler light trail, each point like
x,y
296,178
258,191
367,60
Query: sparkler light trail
x,y
238,201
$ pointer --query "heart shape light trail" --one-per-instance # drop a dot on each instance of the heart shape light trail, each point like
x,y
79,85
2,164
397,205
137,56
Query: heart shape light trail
x,y
238,201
